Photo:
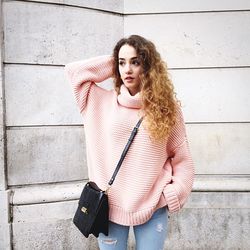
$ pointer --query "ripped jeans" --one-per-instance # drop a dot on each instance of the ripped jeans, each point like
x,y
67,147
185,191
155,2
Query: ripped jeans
x,y
148,236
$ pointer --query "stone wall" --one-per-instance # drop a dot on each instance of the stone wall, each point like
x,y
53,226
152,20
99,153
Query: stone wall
x,y
45,152
43,165
206,46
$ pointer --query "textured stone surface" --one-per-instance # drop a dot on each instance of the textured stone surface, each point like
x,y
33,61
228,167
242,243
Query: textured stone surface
x,y
49,235
222,183
31,152
213,95
48,226
169,6
42,95
220,148
39,95
208,221
50,192
39,194
43,155
218,229
5,226
2,151
61,35
212,220
107,5
196,40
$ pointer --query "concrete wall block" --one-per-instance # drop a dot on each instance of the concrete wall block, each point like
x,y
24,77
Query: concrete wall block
x,y
213,95
5,226
3,183
218,200
221,183
219,229
220,148
31,152
198,39
48,226
211,220
48,235
147,6
208,221
5,238
61,35
107,5
45,193
39,95
41,155
63,210
42,95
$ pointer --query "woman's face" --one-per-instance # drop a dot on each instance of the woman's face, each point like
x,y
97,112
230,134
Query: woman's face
x,y
130,68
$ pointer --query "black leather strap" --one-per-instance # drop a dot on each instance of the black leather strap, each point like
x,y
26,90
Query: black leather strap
x,y
125,150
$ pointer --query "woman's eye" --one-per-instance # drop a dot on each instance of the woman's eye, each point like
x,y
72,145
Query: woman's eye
x,y
136,63
121,63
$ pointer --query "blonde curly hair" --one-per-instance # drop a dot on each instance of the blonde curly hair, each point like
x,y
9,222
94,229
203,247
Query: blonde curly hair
x,y
159,103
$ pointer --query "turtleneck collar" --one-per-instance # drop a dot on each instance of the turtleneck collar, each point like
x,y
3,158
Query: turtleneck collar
x,y
127,100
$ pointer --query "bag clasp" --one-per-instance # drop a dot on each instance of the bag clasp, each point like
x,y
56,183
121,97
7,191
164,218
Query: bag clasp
x,y
84,210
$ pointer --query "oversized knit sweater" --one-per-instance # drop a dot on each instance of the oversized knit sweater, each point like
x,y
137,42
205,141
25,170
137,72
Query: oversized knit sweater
x,y
153,174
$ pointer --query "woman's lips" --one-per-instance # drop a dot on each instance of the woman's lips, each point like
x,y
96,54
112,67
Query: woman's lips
x,y
129,78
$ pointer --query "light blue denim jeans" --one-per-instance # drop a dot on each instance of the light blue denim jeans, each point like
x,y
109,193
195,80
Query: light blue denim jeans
x,y
148,236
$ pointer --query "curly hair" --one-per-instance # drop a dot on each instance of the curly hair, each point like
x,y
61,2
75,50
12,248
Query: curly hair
x,y
159,103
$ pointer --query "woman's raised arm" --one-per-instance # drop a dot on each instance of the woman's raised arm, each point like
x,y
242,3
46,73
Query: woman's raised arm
x,y
82,74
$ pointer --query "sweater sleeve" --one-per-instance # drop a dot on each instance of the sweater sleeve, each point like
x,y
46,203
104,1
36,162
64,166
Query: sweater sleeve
x,y
177,192
82,75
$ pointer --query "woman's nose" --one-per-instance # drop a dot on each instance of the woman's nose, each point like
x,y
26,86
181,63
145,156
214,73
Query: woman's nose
x,y
128,68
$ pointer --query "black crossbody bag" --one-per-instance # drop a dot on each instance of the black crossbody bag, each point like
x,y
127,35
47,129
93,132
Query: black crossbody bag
x,y
92,214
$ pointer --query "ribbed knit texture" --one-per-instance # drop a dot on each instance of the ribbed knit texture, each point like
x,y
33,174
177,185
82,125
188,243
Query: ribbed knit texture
x,y
153,174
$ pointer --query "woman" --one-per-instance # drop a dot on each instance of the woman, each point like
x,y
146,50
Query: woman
x,y
156,176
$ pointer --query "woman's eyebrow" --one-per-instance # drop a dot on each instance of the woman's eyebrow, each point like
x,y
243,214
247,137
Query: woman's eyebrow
x,y
132,58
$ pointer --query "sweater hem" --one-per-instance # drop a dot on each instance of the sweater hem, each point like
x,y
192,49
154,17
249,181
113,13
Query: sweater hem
x,y
120,216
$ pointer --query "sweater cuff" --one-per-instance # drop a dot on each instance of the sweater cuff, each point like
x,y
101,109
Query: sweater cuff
x,y
171,198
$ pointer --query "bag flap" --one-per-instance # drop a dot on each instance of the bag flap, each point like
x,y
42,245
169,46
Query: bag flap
x,y
91,198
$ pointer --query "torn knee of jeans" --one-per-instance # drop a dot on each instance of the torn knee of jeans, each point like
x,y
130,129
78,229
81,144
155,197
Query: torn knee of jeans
x,y
159,228
109,241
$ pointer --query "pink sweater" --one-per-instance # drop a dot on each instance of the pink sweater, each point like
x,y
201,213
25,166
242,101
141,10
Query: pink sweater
x,y
153,174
